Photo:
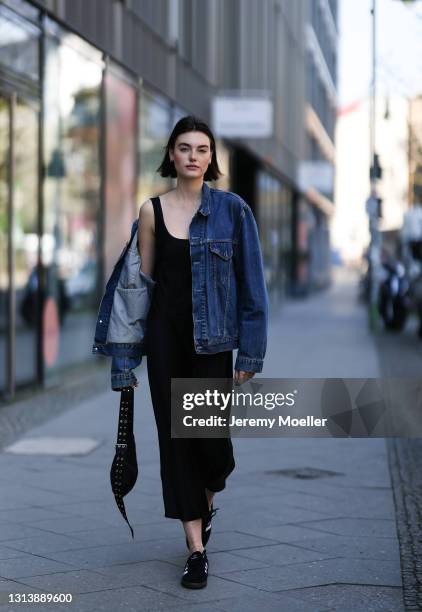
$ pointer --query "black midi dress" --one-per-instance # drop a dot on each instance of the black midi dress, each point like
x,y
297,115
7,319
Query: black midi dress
x,y
187,465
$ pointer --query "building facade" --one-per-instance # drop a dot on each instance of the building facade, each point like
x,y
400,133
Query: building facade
x,y
89,92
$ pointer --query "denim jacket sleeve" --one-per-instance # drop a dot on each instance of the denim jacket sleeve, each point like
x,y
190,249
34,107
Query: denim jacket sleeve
x,y
252,295
121,371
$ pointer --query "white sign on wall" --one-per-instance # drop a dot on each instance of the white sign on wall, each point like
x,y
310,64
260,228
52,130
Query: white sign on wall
x,y
242,117
316,174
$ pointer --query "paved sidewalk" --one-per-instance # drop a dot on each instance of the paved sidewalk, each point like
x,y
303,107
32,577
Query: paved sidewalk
x,y
278,542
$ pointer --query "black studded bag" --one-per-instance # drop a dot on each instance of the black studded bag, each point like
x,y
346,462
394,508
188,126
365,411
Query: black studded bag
x,y
124,469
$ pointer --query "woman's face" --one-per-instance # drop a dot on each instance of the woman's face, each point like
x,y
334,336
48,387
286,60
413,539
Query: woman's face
x,y
191,154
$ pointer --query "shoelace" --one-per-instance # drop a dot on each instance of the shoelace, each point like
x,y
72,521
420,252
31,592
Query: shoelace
x,y
194,557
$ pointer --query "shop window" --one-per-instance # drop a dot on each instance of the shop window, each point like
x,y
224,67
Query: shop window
x,y
70,253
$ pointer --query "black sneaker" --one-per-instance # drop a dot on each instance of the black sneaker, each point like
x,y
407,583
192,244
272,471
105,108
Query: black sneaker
x,y
195,573
206,526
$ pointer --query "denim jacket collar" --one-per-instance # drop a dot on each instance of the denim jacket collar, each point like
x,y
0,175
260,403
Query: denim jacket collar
x,y
205,208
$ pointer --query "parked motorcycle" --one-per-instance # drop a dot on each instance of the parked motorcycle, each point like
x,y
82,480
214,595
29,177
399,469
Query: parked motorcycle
x,y
394,297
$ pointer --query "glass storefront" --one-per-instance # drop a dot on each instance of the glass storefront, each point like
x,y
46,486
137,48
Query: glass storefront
x,y
71,156
304,229
19,180
313,250
275,226
319,270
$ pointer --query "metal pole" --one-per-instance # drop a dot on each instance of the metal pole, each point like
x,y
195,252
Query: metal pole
x,y
373,84
372,208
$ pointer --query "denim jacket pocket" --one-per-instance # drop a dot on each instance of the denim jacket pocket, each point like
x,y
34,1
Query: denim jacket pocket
x,y
223,248
221,253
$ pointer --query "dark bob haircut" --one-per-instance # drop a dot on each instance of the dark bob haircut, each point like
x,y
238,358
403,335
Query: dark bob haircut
x,y
190,123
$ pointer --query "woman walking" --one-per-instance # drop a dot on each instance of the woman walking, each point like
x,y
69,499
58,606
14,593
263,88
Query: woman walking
x,y
200,246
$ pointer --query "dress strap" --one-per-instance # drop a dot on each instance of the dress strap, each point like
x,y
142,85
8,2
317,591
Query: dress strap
x,y
158,216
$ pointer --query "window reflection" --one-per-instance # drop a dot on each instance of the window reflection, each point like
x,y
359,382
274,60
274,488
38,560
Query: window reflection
x,y
19,49
72,197
25,238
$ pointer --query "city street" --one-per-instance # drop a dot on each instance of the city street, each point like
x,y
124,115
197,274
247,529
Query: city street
x,y
184,161
280,540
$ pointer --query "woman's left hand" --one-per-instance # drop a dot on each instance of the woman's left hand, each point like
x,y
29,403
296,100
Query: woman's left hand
x,y
240,376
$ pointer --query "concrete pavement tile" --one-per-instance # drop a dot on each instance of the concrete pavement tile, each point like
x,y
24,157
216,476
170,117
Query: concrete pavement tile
x,y
232,540
133,598
29,565
130,552
112,517
134,501
74,490
139,518
78,581
380,528
353,598
166,578
301,575
121,533
68,524
12,531
31,513
228,519
42,545
326,491
222,562
38,607
9,553
150,530
274,497
251,491
232,521
106,537
25,497
13,504
276,534
374,505
267,602
283,554
354,547
106,509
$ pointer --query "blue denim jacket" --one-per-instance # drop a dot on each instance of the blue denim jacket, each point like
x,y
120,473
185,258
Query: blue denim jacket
x,y
229,295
